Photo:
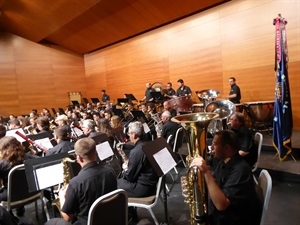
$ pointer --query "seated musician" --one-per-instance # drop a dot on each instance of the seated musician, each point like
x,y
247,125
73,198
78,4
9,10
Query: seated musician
x,y
43,126
93,181
231,188
248,150
14,124
168,107
12,153
139,178
62,137
169,127
2,131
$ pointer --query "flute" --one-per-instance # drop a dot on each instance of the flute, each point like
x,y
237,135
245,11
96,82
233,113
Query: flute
x,y
31,141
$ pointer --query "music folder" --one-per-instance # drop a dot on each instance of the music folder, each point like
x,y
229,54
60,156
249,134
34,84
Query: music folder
x,y
160,155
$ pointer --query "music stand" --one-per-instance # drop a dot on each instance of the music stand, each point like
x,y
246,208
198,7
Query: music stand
x,y
139,115
130,97
119,113
157,96
122,101
75,103
54,111
86,101
61,111
95,100
162,159
37,171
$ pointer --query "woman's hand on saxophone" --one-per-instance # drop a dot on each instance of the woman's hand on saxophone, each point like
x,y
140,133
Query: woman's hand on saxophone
x,y
200,163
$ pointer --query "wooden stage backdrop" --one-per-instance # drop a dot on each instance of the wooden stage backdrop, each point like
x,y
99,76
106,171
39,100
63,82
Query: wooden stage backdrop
x,y
234,39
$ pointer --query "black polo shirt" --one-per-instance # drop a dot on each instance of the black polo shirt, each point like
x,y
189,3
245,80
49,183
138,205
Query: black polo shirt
x,y
236,181
93,181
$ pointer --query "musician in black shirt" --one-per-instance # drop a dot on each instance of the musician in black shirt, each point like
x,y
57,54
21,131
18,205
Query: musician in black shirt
x,y
183,90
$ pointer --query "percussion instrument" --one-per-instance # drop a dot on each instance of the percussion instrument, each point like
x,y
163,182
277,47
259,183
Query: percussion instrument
x,y
239,108
198,108
260,113
181,104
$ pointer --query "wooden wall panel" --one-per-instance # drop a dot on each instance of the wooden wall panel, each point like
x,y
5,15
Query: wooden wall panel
x,y
234,39
36,76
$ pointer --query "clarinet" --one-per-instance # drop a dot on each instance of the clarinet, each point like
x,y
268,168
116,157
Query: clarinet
x,y
31,141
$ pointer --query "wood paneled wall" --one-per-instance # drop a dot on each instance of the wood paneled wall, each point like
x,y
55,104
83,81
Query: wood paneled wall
x,y
34,76
234,39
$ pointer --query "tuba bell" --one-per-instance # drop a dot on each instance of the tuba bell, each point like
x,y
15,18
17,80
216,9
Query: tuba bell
x,y
193,185
225,109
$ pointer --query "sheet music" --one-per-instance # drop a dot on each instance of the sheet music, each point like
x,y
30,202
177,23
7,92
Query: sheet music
x,y
164,160
104,150
13,134
146,128
44,142
77,131
50,175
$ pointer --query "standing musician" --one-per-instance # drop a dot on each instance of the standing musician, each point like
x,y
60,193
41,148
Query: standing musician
x,y
182,89
231,188
148,96
93,181
105,97
235,92
170,91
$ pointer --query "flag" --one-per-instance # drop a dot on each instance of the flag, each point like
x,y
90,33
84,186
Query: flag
x,y
283,119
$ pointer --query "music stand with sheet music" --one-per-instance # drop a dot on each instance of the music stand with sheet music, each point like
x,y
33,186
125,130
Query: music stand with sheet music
x,y
163,159
44,172
130,97
157,96
95,100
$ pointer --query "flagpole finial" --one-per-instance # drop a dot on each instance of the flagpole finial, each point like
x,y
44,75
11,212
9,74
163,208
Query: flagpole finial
x,y
279,15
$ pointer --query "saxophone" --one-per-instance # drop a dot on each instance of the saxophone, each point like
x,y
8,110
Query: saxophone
x,y
67,176
124,157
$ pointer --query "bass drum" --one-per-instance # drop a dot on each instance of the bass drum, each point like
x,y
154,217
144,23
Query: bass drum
x,y
182,104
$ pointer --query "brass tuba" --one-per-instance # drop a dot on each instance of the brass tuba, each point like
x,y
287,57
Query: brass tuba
x,y
193,186
225,109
